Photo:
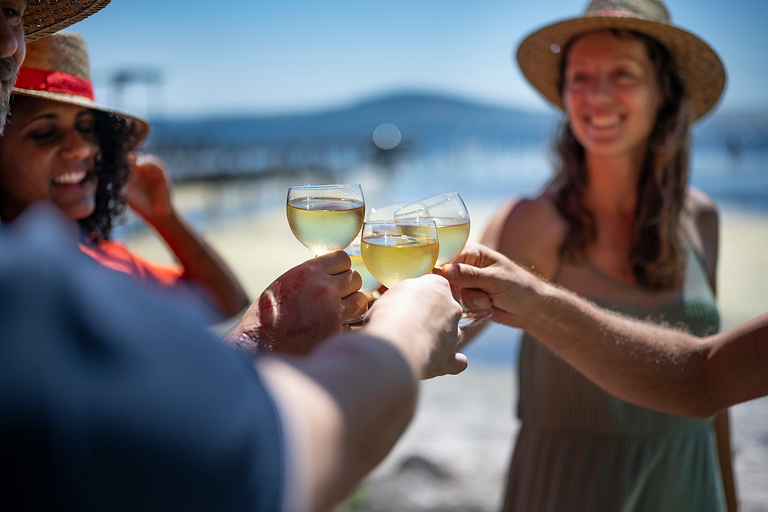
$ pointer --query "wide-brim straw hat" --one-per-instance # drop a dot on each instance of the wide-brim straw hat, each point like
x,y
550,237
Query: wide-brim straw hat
x,y
702,72
44,17
56,69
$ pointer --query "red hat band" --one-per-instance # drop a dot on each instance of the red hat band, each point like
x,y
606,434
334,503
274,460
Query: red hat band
x,y
53,81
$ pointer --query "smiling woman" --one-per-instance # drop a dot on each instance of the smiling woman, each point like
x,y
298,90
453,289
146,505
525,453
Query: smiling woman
x,y
618,225
52,158
61,147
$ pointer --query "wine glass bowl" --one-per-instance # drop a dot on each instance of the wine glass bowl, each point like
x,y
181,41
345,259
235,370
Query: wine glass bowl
x,y
452,221
325,218
395,250
451,218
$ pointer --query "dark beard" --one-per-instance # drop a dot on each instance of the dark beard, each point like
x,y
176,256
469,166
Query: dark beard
x,y
8,72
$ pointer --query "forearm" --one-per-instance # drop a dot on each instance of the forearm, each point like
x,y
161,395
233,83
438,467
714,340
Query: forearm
x,y
201,263
651,366
356,395
644,364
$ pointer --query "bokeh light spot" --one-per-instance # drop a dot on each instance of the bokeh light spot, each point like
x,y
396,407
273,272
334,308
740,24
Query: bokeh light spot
x,y
386,136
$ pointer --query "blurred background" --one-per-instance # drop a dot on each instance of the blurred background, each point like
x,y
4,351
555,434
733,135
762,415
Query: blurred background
x,y
412,98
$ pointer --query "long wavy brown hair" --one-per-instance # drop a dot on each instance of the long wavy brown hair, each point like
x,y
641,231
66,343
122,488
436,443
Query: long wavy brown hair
x,y
657,255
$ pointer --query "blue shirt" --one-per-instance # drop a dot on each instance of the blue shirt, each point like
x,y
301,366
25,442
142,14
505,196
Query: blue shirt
x,y
116,398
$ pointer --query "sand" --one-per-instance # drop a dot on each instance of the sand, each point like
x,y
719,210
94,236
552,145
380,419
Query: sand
x,y
454,455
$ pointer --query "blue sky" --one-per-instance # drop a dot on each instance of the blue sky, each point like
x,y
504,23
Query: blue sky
x,y
268,56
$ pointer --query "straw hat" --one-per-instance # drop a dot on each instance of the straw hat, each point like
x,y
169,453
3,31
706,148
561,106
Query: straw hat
x,y
44,17
700,69
56,69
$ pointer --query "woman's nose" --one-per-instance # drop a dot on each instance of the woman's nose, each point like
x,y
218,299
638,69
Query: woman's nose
x,y
599,88
76,147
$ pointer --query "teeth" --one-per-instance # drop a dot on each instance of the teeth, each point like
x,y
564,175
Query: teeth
x,y
70,178
605,122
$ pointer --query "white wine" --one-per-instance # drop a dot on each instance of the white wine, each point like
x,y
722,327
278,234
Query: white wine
x,y
325,224
453,235
393,257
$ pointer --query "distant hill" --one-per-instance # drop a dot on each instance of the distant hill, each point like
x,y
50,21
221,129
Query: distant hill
x,y
225,147
422,118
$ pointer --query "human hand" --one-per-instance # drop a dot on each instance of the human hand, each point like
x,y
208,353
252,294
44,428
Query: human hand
x,y
421,317
303,307
148,188
489,279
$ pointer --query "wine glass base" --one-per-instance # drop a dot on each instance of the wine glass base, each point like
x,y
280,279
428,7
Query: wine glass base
x,y
355,321
470,318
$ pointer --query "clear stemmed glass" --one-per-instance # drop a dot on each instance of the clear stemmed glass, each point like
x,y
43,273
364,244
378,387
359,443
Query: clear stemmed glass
x,y
395,250
384,212
325,218
452,219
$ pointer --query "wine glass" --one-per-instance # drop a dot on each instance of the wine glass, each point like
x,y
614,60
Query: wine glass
x,y
384,212
325,218
452,219
394,250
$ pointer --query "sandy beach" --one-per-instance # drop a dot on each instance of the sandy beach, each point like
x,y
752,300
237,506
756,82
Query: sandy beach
x,y
454,455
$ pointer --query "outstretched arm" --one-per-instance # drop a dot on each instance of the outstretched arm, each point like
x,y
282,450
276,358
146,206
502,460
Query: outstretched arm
x,y
352,398
651,366
148,193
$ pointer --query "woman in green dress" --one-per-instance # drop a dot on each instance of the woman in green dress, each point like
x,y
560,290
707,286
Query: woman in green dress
x,y
618,225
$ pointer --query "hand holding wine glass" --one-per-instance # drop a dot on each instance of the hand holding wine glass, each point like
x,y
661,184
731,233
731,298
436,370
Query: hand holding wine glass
x,y
452,220
326,218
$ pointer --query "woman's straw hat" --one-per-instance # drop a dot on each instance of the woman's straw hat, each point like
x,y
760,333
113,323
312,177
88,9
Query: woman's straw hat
x,y
44,17
56,69
700,69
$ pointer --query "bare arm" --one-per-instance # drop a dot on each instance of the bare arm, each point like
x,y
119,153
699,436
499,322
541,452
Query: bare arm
x,y
148,193
530,233
358,391
658,368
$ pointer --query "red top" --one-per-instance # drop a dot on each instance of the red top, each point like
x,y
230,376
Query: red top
x,y
114,255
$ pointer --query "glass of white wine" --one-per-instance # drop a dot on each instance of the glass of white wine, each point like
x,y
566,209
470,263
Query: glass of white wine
x,y
452,220
395,250
325,218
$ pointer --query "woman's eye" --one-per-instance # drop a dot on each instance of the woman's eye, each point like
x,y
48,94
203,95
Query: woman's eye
x,y
625,74
85,128
43,135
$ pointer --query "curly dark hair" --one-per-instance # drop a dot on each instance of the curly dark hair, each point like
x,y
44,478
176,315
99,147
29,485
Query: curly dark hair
x,y
657,253
116,137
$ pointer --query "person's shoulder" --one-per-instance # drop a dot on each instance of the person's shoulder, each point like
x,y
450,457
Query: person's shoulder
x,y
704,228
529,231
699,204
702,212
